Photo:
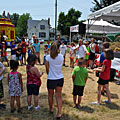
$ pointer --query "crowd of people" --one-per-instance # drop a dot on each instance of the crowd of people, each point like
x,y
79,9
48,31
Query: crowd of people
x,y
81,58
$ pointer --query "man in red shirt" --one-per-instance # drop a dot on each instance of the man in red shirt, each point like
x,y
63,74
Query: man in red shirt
x,y
23,45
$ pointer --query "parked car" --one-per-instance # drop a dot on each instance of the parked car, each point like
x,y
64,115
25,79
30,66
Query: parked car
x,y
41,41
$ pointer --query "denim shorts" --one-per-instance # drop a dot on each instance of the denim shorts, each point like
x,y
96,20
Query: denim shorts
x,y
19,58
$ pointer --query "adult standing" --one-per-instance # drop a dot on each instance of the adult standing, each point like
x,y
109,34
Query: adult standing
x,y
32,40
92,52
36,47
27,41
55,79
81,49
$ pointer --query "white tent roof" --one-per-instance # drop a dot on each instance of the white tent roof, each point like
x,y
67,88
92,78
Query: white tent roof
x,y
109,13
101,27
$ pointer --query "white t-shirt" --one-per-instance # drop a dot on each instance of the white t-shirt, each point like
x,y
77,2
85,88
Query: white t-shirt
x,y
81,51
31,41
72,51
1,67
92,45
55,67
27,41
63,48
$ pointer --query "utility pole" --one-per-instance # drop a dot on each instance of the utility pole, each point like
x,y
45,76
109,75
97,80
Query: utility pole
x,y
55,19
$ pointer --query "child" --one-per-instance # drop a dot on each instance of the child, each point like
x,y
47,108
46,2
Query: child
x,y
2,69
79,76
33,81
63,49
15,85
4,53
18,53
72,55
23,44
29,50
46,52
105,75
102,58
13,50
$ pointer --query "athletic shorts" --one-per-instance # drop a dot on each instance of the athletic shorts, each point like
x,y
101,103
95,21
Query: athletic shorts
x,y
52,84
1,90
92,56
102,82
23,54
78,90
33,89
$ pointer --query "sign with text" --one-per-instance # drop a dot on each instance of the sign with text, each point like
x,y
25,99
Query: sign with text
x,y
74,28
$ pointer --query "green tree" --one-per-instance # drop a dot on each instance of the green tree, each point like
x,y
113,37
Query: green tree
x,y
99,4
21,28
70,19
14,18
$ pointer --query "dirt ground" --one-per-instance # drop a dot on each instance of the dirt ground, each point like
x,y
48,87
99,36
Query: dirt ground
x,y
87,112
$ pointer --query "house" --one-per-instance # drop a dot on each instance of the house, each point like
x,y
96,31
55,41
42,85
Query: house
x,y
39,28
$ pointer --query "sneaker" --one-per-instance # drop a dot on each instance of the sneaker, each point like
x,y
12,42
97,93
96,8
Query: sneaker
x,y
107,102
95,103
38,107
29,107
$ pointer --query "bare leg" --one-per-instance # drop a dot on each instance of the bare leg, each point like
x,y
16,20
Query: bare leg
x,y
18,102
74,100
91,63
35,100
70,62
79,100
108,92
29,99
50,99
12,101
99,93
58,92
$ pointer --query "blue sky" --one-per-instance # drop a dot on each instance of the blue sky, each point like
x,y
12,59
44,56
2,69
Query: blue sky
x,y
42,9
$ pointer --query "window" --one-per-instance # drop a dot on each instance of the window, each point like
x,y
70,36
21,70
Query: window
x,y
42,35
51,35
42,27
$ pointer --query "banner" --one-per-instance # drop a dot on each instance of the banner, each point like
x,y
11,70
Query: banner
x,y
74,28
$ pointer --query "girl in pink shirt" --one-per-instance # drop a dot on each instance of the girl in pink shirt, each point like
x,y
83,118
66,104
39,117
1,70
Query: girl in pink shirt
x,y
33,81
15,85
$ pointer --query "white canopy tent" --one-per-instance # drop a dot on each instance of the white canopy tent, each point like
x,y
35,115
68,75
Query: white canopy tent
x,y
101,27
110,13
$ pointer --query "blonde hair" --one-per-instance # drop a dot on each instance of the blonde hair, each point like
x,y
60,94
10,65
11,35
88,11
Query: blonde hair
x,y
53,51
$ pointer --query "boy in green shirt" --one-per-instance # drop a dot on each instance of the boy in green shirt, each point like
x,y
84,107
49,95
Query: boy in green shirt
x,y
79,76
